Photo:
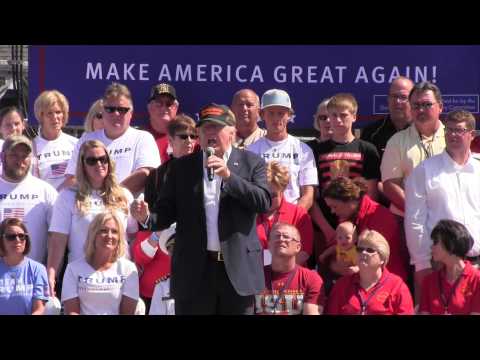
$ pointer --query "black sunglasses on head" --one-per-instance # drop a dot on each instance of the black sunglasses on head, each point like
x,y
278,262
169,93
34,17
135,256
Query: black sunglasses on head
x,y
120,109
91,160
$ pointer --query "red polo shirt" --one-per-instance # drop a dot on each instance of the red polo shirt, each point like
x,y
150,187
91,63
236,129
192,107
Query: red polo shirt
x,y
464,300
373,216
389,297
162,142
291,214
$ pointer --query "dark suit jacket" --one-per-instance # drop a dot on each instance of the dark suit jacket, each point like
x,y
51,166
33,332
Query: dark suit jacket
x,y
243,195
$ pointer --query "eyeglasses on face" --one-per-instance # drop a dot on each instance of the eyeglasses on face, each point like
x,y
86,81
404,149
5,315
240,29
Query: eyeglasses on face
x,y
121,110
322,117
456,131
99,116
13,237
424,105
367,249
92,161
400,98
186,136
284,237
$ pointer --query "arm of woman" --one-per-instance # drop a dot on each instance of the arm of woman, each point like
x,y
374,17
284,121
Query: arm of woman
x,y
130,291
57,243
72,306
128,305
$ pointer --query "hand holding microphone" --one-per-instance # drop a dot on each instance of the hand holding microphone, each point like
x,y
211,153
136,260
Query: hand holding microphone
x,y
210,152
215,164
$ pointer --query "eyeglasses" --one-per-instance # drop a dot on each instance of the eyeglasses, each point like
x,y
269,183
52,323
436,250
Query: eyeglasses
x,y
121,110
456,131
367,249
92,161
425,105
186,136
322,117
400,98
98,116
13,237
283,237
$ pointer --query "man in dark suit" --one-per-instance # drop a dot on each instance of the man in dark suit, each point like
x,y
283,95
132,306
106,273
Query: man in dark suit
x,y
217,261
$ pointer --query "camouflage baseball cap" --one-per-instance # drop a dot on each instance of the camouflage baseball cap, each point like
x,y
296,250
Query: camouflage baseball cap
x,y
219,114
15,140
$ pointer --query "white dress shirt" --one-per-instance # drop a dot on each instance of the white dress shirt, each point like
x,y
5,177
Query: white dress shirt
x,y
211,201
439,188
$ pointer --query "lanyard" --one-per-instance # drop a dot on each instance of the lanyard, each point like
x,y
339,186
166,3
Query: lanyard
x,y
266,223
364,302
445,302
282,290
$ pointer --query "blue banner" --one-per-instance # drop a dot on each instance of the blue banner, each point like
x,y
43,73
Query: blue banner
x,y
213,73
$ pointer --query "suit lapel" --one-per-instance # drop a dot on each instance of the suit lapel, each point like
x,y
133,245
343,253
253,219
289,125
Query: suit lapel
x,y
197,179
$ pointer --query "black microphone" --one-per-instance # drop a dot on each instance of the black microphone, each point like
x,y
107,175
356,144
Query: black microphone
x,y
210,171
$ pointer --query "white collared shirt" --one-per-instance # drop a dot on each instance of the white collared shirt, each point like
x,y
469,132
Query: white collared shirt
x,y
211,201
437,189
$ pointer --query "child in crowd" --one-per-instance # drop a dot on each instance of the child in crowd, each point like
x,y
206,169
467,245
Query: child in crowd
x,y
345,248
162,303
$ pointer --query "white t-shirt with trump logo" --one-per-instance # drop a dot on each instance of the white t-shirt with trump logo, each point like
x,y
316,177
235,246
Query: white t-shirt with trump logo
x,y
30,200
68,220
133,150
294,154
100,292
52,157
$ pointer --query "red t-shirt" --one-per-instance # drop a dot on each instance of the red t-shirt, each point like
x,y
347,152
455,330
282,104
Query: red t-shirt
x,y
306,286
373,216
464,300
291,214
151,269
389,297
162,143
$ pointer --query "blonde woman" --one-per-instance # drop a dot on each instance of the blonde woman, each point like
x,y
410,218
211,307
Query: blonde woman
x,y
52,147
103,282
94,118
373,290
97,190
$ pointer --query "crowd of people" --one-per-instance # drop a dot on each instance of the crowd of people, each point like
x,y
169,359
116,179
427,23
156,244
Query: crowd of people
x,y
222,216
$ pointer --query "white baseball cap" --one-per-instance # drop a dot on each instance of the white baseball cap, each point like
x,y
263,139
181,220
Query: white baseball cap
x,y
276,97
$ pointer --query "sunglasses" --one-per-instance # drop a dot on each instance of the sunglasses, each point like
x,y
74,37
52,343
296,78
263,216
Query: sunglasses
x,y
322,117
13,237
92,161
99,116
367,249
186,136
120,109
